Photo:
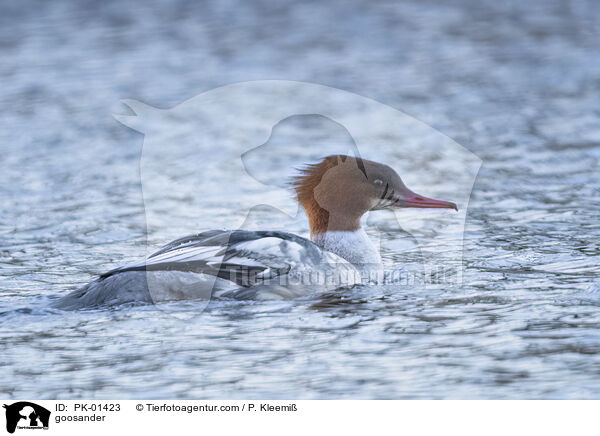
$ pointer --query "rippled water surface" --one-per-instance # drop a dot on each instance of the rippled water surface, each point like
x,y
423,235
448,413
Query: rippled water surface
x,y
516,83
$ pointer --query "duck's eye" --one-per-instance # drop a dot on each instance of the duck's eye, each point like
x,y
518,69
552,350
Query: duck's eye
x,y
378,182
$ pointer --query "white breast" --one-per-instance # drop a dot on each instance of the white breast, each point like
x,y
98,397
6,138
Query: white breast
x,y
355,247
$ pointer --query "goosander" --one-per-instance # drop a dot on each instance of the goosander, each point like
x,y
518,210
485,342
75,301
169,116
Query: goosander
x,y
335,193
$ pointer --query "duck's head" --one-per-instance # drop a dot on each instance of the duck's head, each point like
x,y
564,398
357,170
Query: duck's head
x,y
339,190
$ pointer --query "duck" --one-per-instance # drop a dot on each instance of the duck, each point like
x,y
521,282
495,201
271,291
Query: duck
x,y
335,193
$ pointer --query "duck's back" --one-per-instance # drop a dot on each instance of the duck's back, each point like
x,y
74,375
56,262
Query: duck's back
x,y
239,263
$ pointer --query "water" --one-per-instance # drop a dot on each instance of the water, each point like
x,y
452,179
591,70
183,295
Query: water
x,y
516,83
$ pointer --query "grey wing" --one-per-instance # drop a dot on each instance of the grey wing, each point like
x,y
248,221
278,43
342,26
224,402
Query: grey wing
x,y
240,264
241,256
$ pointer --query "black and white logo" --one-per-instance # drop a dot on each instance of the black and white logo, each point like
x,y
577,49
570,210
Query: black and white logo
x,y
26,415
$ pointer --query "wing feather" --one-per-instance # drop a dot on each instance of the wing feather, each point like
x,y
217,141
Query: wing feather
x,y
241,256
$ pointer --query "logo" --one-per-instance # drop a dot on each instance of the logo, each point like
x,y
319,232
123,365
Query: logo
x,y
26,415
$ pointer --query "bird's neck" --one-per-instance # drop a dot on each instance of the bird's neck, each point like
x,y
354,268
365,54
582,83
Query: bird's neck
x,y
351,245
341,234
322,221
